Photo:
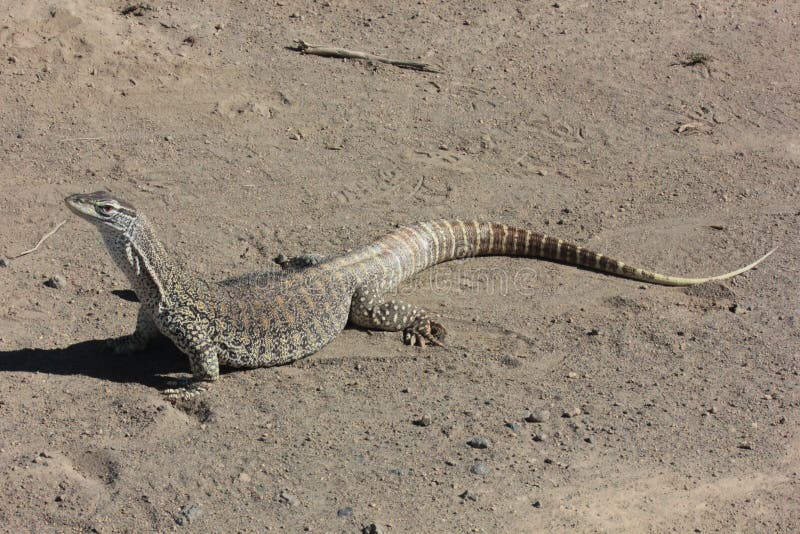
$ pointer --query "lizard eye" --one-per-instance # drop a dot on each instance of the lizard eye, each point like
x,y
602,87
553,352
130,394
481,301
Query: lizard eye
x,y
106,209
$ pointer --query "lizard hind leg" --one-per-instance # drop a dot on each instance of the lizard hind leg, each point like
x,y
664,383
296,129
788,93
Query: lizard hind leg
x,y
371,311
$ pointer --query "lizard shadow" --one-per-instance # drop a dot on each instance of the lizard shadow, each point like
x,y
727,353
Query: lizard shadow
x,y
93,359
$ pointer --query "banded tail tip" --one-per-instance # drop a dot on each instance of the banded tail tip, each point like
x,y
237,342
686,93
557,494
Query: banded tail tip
x,y
679,281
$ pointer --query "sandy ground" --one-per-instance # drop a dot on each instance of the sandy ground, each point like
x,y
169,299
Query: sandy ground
x,y
682,404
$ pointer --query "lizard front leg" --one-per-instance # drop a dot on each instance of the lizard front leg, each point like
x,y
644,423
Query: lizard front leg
x,y
371,311
146,332
192,338
204,365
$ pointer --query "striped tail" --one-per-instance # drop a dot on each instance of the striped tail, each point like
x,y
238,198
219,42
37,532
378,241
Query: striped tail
x,y
411,249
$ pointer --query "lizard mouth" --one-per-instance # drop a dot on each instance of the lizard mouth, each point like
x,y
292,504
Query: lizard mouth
x,y
78,205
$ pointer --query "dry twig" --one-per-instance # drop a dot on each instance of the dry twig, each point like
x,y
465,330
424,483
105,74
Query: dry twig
x,y
694,127
328,51
45,236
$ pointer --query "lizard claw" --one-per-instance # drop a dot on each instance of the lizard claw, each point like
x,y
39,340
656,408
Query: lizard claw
x,y
189,390
423,332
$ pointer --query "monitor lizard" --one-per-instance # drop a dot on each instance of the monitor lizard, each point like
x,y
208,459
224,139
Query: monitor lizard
x,y
266,318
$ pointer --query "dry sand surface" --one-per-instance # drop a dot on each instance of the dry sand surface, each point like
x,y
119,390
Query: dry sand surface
x,y
666,134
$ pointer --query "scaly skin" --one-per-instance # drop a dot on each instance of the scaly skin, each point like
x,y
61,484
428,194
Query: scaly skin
x,y
272,318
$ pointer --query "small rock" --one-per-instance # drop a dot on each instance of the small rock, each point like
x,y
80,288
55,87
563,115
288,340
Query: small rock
x,y
537,504
574,412
5,262
479,468
538,416
746,445
740,309
539,436
287,498
593,332
468,496
244,477
56,282
478,443
425,420
572,375
189,513
295,137
347,511
588,439
513,426
373,528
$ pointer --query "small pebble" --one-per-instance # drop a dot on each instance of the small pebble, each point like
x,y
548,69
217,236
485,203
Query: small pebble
x,y
189,513
425,420
746,445
5,262
478,443
513,426
347,511
287,498
574,412
537,416
468,496
56,282
537,504
540,437
593,332
479,468
373,528
244,477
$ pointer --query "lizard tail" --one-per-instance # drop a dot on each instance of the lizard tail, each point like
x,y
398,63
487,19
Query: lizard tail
x,y
411,249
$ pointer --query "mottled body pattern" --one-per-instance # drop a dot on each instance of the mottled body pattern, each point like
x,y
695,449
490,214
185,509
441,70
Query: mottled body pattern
x,y
272,318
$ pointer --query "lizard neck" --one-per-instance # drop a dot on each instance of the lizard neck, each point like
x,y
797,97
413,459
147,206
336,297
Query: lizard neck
x,y
144,260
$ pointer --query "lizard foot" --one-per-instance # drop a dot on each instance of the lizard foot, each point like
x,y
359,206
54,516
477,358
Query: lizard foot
x,y
189,389
423,332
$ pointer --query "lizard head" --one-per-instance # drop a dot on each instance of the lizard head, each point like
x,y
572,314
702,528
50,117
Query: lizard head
x,y
103,210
